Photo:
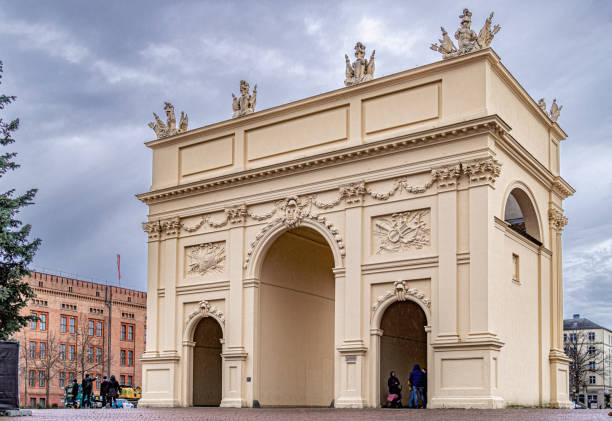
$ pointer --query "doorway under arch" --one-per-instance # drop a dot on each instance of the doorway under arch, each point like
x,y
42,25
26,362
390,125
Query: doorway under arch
x,y
296,321
402,345
207,370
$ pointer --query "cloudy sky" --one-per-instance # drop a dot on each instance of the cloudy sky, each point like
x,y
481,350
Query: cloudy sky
x,y
88,75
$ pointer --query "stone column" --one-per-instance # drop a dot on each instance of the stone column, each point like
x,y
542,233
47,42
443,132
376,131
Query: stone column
x,y
559,362
352,350
187,394
169,272
235,355
153,230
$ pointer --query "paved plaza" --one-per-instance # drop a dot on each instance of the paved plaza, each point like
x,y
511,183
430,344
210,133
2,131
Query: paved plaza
x,y
290,414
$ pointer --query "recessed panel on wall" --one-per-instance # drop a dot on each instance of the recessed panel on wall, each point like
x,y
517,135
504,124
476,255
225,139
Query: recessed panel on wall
x,y
202,260
401,108
401,232
298,133
462,373
206,156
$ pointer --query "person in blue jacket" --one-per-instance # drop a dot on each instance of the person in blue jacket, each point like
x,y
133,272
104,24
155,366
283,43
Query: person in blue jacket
x,y
417,380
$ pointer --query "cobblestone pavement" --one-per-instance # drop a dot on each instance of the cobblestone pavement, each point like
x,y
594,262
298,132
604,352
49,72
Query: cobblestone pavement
x,y
290,414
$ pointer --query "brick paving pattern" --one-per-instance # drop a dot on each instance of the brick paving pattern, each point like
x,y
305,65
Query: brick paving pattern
x,y
298,414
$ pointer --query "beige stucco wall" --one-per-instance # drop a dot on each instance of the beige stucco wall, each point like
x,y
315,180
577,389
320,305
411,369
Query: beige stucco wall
x,y
404,179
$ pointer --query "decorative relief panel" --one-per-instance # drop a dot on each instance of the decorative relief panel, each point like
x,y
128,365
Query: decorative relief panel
x,y
401,232
205,258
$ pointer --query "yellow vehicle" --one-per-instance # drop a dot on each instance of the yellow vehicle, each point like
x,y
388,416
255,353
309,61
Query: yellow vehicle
x,y
130,393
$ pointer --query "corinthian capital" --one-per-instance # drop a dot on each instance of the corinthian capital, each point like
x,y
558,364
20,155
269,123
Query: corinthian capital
x,y
171,227
153,229
557,219
446,176
485,170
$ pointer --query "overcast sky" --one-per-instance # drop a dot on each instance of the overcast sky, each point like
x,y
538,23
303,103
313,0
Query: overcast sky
x,y
88,75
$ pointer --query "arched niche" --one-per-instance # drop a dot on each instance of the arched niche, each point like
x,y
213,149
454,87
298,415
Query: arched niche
x,y
520,212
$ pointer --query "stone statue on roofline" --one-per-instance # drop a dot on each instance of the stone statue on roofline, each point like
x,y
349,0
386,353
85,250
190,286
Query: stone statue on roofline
x,y
467,39
246,103
555,110
542,104
169,128
361,70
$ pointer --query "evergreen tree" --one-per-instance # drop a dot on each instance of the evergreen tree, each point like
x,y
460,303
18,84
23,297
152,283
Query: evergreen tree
x,y
16,251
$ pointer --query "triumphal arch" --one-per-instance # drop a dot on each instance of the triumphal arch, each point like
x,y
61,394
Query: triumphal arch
x,y
297,255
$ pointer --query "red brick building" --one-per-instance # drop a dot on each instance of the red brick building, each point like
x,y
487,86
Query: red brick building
x,y
84,327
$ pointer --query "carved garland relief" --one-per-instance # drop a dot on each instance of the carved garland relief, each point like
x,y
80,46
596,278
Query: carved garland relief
x,y
401,292
402,231
205,258
205,309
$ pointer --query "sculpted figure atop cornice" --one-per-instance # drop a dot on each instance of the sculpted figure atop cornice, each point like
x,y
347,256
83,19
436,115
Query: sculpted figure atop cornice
x,y
361,70
542,105
246,103
555,110
169,128
466,37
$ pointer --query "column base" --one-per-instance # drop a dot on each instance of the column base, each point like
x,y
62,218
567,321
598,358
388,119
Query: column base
x,y
476,402
158,403
350,403
232,403
562,405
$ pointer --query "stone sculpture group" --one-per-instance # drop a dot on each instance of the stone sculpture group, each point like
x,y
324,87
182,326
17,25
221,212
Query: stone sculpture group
x,y
360,71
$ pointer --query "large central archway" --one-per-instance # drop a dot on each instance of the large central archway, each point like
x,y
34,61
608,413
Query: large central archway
x,y
296,324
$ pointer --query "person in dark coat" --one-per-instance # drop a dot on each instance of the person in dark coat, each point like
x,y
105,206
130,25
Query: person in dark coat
x,y
416,380
104,391
395,388
113,391
86,386
424,395
74,392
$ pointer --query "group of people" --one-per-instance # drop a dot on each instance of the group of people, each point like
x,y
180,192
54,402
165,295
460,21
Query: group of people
x,y
417,385
109,391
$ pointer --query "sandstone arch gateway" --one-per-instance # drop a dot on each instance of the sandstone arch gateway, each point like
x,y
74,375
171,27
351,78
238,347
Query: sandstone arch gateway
x,y
385,197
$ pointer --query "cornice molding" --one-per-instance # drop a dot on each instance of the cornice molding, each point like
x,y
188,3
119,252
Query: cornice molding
x,y
490,124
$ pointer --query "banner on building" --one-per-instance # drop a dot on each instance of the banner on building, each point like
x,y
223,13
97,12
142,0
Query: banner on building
x,y
9,375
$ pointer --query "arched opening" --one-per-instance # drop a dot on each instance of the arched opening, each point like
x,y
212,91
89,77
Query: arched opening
x,y
520,213
296,325
207,363
402,345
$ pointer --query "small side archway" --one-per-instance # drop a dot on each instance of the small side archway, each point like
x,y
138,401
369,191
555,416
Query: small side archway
x,y
521,212
203,345
399,301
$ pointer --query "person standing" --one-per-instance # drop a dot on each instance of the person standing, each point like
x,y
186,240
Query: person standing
x,y
113,391
74,391
416,380
104,391
86,386
424,394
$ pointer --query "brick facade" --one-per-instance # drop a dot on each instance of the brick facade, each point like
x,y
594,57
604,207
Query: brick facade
x,y
74,329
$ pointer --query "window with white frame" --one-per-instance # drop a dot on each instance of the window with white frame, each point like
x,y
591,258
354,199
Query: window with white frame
x,y
592,380
591,336
591,350
591,365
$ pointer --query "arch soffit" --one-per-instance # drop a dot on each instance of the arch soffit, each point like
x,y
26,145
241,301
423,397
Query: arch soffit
x,y
205,309
271,231
516,184
400,292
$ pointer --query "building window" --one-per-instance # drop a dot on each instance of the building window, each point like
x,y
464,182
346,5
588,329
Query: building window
x,y
72,324
130,358
98,328
32,349
129,379
591,365
591,350
33,322
592,379
62,354
122,357
71,377
32,378
42,350
62,379
41,401
63,324
90,354
32,401
565,337
90,330
122,377
572,337
123,329
41,379
98,355
515,267
71,352
130,332
41,323
591,336
98,381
